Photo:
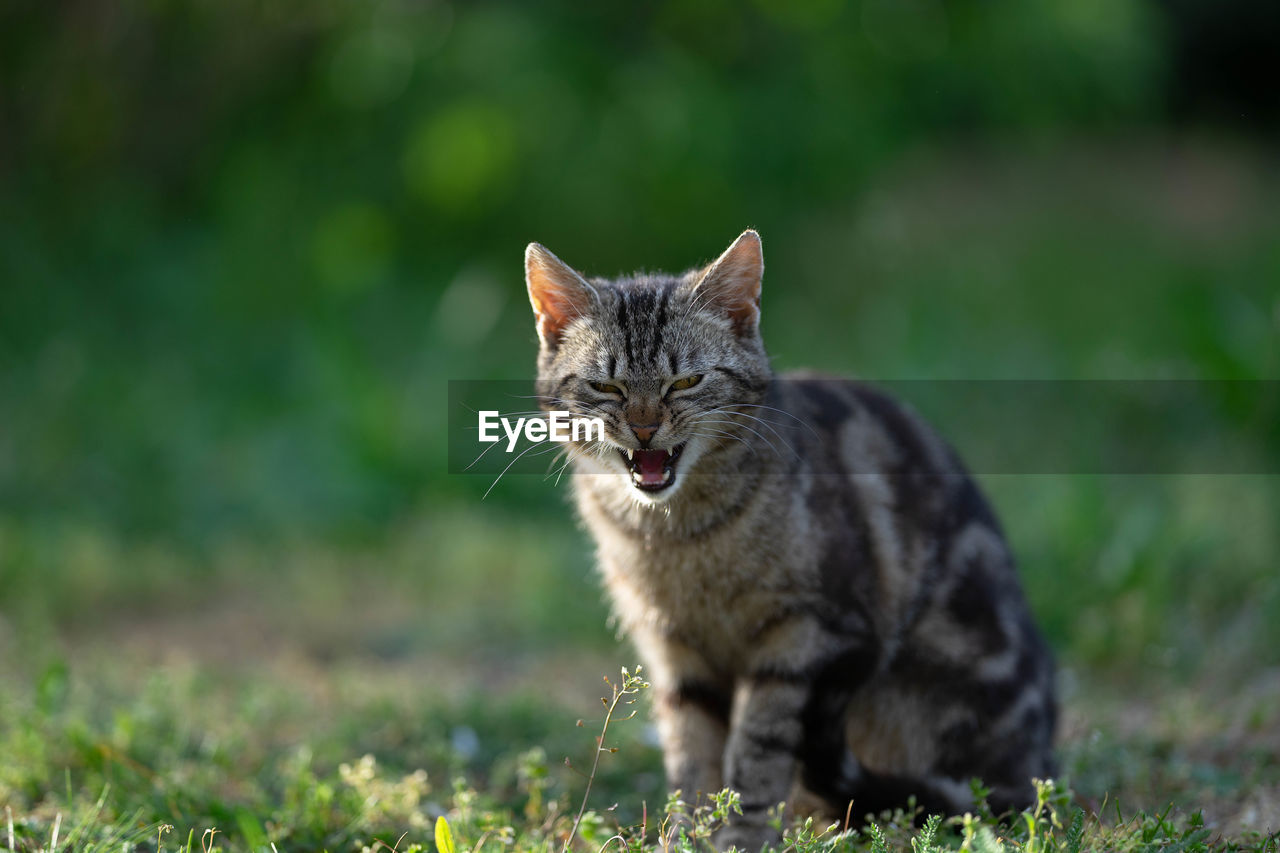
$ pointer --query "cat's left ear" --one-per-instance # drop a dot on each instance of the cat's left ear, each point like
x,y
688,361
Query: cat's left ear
x,y
732,283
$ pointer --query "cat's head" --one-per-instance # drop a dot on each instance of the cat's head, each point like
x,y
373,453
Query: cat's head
x,y
657,357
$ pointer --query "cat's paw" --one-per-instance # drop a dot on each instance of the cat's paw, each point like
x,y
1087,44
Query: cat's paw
x,y
746,838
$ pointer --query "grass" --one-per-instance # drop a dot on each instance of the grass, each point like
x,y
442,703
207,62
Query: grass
x,y
351,757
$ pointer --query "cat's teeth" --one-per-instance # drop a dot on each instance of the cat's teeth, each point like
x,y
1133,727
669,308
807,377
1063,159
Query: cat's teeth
x,y
631,454
639,478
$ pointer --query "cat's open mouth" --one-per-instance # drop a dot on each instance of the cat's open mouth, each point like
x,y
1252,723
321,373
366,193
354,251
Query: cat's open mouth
x,y
652,470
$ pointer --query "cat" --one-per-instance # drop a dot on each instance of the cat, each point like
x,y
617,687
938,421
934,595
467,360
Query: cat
x,y
823,599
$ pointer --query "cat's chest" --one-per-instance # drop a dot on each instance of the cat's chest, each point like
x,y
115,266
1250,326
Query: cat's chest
x,y
712,596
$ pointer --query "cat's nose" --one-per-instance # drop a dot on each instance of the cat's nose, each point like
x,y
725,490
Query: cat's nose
x,y
644,432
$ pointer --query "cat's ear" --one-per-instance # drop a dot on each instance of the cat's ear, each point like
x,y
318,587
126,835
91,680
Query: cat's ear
x,y
559,295
732,283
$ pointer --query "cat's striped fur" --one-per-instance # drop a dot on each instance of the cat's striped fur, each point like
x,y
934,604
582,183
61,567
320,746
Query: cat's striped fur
x,y
823,598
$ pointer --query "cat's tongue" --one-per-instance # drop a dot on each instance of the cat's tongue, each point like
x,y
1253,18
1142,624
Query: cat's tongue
x,y
649,464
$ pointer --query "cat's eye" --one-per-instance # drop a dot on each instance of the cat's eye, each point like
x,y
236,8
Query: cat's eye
x,y
606,388
686,382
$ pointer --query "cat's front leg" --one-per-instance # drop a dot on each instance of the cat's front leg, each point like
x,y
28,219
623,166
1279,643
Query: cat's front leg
x,y
693,723
692,712
766,734
787,710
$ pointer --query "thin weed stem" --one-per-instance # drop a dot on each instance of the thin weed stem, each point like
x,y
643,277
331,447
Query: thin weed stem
x,y
631,684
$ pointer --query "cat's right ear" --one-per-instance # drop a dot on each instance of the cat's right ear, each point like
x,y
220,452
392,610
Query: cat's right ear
x,y
559,295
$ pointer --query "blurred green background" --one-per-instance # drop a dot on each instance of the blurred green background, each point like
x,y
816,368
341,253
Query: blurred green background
x,y
245,245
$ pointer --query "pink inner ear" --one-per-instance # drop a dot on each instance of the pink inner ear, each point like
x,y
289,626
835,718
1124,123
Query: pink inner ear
x,y
555,311
558,295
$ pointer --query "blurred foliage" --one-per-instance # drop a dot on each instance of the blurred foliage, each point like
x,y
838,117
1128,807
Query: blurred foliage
x,y
244,245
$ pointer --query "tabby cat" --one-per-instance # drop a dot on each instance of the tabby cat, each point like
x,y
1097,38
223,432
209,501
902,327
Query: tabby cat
x,y
823,599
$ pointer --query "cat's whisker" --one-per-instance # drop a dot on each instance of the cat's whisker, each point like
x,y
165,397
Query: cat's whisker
x,y
761,436
698,421
535,397
748,443
536,413
730,409
793,417
568,404
539,447
556,483
720,434
481,456
570,453
501,440
569,458
712,431
564,401
563,458
563,452
598,448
